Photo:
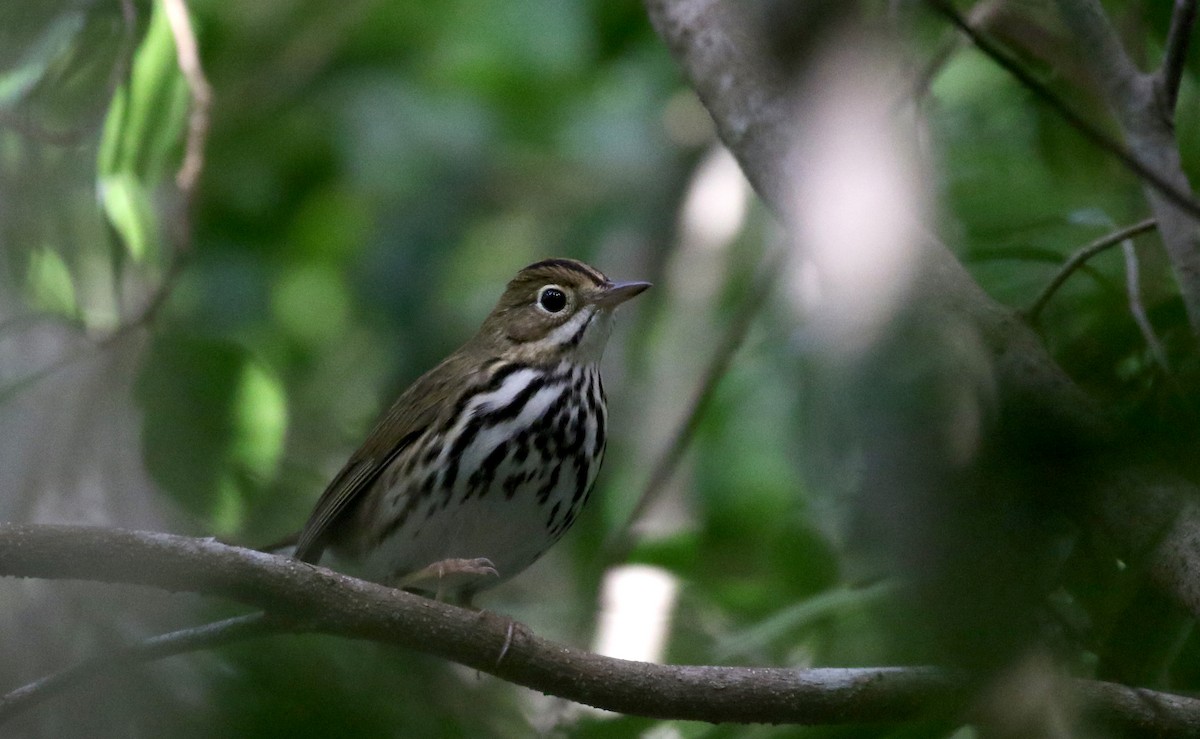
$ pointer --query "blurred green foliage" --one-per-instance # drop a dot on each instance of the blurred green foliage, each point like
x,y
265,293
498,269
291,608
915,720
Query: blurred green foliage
x,y
214,428
375,172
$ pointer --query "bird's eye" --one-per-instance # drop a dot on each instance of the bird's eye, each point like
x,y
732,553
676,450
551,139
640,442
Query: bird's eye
x,y
552,299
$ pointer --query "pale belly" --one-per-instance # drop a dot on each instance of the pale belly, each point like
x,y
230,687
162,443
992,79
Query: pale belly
x,y
510,532
516,488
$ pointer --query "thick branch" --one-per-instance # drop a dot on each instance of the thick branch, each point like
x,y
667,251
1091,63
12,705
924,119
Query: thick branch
x,y
719,58
330,603
336,604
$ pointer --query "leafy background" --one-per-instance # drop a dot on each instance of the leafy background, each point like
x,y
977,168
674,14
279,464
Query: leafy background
x,y
374,172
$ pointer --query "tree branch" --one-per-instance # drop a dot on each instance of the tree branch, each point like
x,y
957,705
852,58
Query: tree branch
x,y
188,54
1140,106
1133,290
1079,258
331,603
320,600
1149,514
1179,36
208,636
1122,74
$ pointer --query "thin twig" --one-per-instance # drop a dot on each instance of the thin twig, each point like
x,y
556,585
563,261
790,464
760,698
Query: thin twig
x,y
977,17
188,54
197,638
1076,260
27,321
12,389
95,347
620,541
1133,289
1179,36
1122,153
187,177
91,349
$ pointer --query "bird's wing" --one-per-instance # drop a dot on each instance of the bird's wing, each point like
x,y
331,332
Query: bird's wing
x,y
403,424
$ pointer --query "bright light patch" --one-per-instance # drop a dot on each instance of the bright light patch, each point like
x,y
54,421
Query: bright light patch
x,y
715,207
860,201
635,616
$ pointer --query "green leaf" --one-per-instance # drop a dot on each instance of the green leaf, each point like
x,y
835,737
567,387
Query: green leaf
x,y
146,119
261,408
141,137
128,208
51,288
109,154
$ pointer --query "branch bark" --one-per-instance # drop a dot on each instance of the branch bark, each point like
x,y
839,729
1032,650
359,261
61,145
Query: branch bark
x,y
327,602
331,603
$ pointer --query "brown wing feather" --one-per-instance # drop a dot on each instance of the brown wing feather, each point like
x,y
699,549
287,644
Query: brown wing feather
x,y
408,418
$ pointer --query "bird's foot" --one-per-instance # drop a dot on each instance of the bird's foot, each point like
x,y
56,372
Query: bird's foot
x,y
450,575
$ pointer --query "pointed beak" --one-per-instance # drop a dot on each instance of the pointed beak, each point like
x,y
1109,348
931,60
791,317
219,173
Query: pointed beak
x,y
615,293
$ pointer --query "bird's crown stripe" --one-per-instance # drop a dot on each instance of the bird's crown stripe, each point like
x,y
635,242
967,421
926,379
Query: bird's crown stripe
x,y
569,265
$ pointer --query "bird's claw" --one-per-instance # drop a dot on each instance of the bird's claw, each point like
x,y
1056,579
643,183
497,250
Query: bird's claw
x,y
450,574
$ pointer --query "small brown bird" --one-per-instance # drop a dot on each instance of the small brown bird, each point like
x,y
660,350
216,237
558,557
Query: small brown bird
x,y
484,462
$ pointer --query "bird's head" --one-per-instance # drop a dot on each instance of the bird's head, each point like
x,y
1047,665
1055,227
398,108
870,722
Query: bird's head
x,y
557,309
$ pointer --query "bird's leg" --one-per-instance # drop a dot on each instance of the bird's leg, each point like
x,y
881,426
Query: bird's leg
x,y
449,574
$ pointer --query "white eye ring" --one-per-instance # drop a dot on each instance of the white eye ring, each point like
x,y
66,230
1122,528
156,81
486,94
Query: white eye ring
x,y
553,299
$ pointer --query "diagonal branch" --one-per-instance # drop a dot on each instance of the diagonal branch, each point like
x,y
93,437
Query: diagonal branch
x,y
1122,74
208,636
326,602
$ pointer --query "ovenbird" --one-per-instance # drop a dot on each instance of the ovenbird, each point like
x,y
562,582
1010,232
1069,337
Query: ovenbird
x,y
484,462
